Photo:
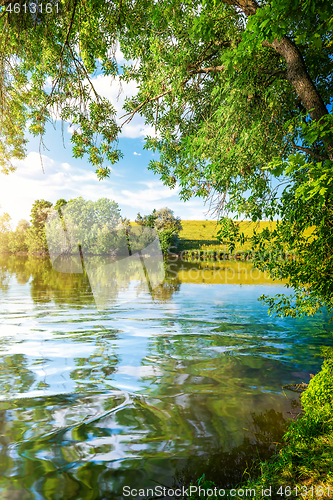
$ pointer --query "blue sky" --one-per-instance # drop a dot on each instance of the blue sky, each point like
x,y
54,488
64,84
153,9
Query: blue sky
x,y
131,184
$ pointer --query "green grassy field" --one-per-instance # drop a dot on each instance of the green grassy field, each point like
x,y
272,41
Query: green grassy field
x,y
201,235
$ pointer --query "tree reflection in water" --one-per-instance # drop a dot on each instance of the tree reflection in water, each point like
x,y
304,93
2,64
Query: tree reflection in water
x,y
199,370
228,469
71,462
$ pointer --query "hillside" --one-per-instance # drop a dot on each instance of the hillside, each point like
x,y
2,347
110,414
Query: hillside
x,y
201,235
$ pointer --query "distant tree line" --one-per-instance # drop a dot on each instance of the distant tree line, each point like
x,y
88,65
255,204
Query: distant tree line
x,y
30,237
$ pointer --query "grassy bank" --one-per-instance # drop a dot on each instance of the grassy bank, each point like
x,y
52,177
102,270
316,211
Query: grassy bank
x,y
202,235
303,468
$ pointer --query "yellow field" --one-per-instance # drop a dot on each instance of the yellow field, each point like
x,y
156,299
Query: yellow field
x,y
201,235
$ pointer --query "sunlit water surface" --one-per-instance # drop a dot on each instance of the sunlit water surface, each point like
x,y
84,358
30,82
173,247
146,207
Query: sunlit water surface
x,y
144,392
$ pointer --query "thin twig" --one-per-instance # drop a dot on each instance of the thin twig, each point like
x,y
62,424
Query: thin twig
x,y
210,69
69,29
132,113
119,12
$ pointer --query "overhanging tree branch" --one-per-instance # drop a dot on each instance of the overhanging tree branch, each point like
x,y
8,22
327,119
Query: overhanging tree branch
x,y
151,99
249,7
69,29
310,152
210,69
296,73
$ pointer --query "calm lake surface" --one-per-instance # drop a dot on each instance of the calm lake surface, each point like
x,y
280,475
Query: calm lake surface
x,y
153,389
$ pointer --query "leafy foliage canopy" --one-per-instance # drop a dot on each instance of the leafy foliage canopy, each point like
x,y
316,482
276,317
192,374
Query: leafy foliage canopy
x,y
239,93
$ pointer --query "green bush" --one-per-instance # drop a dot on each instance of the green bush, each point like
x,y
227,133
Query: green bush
x,y
168,238
320,390
166,224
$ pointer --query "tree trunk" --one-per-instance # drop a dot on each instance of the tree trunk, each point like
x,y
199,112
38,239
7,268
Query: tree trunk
x,y
299,78
297,73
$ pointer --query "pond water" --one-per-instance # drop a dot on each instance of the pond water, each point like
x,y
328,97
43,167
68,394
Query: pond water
x,y
153,390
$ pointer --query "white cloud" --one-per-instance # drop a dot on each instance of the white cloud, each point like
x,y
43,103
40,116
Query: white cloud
x,y
33,165
120,57
153,184
116,91
137,129
19,190
137,154
147,195
147,199
66,166
193,210
115,173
